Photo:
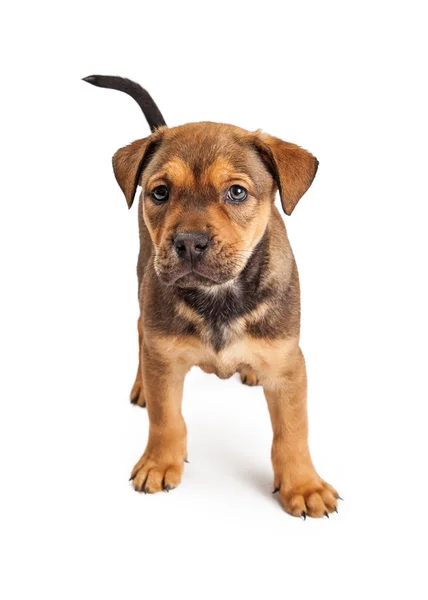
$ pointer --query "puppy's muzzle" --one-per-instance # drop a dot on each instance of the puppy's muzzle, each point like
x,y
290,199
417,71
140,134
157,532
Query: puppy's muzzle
x,y
191,246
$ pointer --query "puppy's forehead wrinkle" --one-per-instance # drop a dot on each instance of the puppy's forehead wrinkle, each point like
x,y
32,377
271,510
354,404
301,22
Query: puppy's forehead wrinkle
x,y
197,148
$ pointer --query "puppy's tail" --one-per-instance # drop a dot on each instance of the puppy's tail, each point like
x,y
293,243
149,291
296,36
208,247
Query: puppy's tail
x,y
141,96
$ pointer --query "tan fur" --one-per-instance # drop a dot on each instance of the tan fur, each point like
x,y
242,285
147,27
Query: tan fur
x,y
175,170
221,172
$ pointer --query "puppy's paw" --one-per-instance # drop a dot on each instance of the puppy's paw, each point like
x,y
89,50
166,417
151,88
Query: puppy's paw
x,y
153,473
312,498
137,394
248,376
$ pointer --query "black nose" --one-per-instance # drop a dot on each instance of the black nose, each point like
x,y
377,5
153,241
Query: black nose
x,y
191,245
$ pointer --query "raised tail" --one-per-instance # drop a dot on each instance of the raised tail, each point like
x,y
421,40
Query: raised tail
x,y
141,96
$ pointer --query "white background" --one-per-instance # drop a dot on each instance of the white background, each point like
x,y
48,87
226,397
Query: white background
x,y
345,80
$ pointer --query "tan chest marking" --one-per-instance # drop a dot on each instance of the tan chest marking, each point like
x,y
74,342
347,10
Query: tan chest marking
x,y
268,358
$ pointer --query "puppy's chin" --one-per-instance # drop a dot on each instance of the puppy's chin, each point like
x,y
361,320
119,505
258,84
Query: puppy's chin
x,y
186,278
195,279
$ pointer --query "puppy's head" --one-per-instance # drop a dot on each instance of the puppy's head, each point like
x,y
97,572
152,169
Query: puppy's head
x,y
207,195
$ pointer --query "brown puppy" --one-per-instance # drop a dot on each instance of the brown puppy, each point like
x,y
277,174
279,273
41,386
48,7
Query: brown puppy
x,y
218,287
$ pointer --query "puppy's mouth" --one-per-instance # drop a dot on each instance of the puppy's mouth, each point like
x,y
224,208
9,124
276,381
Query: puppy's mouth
x,y
189,276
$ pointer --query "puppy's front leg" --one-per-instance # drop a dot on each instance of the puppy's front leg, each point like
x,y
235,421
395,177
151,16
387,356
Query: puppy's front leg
x,y
301,489
161,466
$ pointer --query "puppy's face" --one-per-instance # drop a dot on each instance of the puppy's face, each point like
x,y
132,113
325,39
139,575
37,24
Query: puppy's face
x,y
207,195
207,198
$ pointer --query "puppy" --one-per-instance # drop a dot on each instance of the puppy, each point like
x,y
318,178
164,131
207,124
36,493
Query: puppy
x,y
218,287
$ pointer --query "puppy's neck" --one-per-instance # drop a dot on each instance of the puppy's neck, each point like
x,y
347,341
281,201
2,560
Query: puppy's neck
x,y
253,277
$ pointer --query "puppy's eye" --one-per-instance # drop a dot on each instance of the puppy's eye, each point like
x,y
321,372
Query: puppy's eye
x,y
160,194
237,193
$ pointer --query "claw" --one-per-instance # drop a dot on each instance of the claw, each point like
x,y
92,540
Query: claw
x,y
131,478
167,488
146,490
186,461
339,497
275,490
335,509
303,515
326,515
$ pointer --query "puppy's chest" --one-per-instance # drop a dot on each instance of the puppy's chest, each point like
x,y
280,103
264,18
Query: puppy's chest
x,y
239,352
221,318
222,334
265,357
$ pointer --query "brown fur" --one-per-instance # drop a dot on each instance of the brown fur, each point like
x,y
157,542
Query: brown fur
x,y
238,310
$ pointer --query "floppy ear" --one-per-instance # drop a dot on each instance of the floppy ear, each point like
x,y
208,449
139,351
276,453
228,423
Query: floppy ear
x,y
292,167
129,162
